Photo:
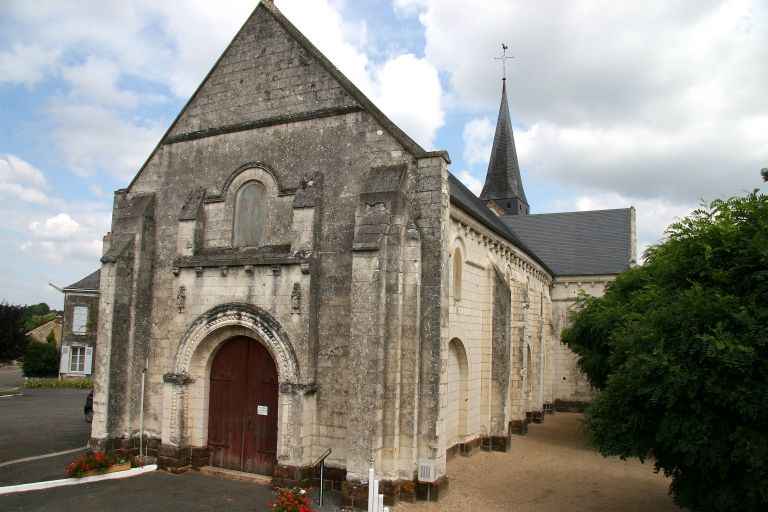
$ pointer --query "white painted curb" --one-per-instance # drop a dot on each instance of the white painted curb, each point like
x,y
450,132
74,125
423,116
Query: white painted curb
x,y
39,486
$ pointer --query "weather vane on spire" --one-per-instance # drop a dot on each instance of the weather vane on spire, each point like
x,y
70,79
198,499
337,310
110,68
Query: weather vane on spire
x,y
504,58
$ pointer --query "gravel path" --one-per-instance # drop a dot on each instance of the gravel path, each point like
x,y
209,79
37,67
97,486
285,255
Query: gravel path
x,y
550,470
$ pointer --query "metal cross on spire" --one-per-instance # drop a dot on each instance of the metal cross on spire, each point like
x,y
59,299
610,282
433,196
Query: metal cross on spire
x,y
504,58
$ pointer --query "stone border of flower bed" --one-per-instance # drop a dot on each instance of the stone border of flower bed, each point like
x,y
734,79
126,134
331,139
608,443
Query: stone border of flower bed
x,y
39,486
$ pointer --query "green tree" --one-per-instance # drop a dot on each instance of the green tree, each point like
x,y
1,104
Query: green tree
x,y
678,349
12,339
41,360
36,315
51,338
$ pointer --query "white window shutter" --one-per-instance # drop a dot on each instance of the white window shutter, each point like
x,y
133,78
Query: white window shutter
x,y
80,320
64,363
88,360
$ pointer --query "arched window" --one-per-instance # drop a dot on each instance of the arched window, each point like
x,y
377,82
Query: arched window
x,y
249,214
457,271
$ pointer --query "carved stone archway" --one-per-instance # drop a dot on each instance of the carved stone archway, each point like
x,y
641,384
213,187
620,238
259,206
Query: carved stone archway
x,y
250,317
185,415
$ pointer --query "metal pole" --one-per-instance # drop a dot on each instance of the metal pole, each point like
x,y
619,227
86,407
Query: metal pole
x,y
371,506
141,413
322,468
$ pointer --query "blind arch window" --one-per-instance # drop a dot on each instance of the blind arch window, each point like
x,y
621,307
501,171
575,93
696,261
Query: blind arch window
x,y
250,214
457,273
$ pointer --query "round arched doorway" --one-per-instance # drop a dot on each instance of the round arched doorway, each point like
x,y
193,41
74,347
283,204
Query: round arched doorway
x,y
242,412
458,393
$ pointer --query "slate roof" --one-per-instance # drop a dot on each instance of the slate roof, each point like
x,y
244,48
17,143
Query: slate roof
x,y
89,282
474,206
597,242
503,182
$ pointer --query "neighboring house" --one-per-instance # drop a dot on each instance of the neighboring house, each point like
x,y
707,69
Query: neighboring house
x,y
41,332
81,311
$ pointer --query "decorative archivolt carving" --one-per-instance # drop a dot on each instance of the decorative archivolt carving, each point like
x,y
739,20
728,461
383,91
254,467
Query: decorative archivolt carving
x,y
253,318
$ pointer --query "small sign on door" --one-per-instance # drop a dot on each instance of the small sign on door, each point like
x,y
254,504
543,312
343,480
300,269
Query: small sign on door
x,y
262,410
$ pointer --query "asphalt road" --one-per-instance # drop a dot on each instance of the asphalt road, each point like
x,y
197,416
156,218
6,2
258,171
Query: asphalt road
x,y
155,492
42,421
10,378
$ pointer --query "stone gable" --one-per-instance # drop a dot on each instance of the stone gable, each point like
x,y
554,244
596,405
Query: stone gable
x,y
264,73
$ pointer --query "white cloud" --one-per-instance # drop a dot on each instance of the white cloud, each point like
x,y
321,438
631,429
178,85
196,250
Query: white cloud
x,y
20,179
409,91
407,88
648,99
62,237
95,81
471,182
478,140
61,226
27,64
95,139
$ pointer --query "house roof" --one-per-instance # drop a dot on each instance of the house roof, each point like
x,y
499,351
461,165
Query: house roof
x,y
474,206
597,242
88,283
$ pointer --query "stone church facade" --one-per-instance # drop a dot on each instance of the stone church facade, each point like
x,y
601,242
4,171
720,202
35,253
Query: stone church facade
x,y
290,272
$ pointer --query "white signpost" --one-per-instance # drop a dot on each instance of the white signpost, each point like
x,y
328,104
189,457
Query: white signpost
x,y
375,500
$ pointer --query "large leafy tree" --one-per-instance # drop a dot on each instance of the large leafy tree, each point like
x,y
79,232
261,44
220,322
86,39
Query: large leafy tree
x,y
678,349
12,339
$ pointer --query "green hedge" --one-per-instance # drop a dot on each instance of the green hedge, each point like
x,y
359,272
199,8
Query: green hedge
x,y
56,383
41,360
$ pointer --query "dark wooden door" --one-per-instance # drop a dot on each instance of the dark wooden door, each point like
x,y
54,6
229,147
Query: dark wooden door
x,y
242,417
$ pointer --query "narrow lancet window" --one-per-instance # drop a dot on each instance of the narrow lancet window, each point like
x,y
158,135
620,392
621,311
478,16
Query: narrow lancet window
x,y
249,215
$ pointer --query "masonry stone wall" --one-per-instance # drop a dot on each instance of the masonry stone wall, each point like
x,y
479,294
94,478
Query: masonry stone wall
x,y
487,258
570,386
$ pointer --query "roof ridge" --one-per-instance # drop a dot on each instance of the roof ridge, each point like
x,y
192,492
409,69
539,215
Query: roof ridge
x,y
568,212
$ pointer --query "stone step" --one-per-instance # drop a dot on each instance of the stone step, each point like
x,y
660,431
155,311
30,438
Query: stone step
x,y
231,474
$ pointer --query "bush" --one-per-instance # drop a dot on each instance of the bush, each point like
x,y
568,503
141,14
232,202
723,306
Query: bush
x,y
55,383
291,500
679,351
41,360
12,339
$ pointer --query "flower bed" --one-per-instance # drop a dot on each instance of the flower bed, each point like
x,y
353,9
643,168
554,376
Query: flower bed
x,y
291,500
96,463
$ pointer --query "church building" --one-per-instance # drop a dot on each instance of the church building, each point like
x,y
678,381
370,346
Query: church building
x,y
289,272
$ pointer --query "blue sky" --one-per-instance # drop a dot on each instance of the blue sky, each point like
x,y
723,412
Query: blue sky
x,y
614,104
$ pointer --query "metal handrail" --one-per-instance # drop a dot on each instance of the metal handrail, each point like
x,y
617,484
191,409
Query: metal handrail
x,y
322,457
321,462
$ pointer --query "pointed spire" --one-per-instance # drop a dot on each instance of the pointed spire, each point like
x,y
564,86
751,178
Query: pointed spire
x,y
503,184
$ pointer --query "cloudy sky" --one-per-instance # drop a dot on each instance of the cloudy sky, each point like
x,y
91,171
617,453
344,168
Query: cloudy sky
x,y
655,104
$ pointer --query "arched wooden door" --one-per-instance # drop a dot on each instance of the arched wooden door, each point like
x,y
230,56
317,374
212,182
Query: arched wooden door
x,y
242,417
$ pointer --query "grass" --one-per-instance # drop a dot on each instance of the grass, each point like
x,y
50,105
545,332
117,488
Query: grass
x,y
55,383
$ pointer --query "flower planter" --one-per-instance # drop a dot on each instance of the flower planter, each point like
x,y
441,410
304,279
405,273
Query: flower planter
x,y
111,469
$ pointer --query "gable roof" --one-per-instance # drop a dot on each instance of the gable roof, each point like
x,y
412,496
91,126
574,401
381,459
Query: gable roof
x,y
365,104
597,242
462,197
88,283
